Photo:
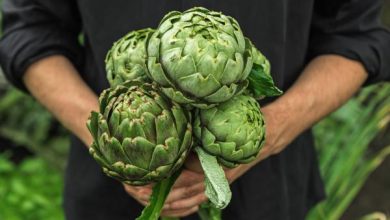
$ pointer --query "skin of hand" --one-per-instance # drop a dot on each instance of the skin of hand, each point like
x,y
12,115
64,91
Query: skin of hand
x,y
327,82
188,185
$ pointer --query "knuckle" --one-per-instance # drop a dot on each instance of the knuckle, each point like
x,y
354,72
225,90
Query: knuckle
x,y
187,192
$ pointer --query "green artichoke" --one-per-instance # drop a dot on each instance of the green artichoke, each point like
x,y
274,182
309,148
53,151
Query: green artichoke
x,y
233,131
140,137
199,57
260,59
126,60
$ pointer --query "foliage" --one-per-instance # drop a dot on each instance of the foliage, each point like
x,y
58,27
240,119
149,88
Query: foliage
x,y
29,191
26,123
342,143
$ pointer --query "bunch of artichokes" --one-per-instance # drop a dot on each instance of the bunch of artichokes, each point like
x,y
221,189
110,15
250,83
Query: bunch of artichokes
x,y
196,70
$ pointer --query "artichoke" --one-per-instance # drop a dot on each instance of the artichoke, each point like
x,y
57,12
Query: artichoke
x,y
140,137
127,57
233,131
260,59
199,57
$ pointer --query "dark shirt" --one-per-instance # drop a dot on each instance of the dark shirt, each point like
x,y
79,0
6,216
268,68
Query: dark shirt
x,y
289,33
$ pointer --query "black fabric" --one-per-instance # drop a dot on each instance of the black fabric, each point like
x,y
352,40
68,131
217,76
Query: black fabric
x,y
289,33
36,29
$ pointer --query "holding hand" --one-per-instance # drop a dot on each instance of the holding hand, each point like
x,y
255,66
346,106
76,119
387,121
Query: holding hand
x,y
184,198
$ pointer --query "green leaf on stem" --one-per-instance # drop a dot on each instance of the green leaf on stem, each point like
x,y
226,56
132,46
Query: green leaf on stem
x,y
217,186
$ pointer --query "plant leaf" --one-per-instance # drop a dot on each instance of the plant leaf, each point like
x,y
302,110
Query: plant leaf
x,y
217,186
261,83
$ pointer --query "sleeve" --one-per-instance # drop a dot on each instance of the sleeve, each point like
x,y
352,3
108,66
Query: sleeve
x,y
34,29
352,28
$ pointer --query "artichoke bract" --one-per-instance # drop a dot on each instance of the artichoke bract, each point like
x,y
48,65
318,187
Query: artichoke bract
x,y
199,57
126,60
140,137
233,131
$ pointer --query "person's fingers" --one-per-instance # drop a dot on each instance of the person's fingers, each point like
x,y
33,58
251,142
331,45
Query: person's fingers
x,y
145,191
141,194
185,192
144,203
149,186
192,163
187,202
130,189
188,178
179,213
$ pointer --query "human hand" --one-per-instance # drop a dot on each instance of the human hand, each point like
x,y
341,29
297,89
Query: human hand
x,y
139,193
186,195
184,198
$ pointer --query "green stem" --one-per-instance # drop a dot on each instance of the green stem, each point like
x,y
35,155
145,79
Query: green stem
x,y
208,212
158,197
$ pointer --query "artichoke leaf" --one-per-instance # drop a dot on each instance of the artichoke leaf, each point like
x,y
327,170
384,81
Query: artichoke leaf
x,y
233,70
112,149
165,127
217,186
139,150
165,154
156,72
179,116
261,84
187,140
222,94
176,96
92,125
197,85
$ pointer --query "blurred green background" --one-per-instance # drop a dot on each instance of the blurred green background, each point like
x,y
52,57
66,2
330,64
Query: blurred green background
x,y
351,143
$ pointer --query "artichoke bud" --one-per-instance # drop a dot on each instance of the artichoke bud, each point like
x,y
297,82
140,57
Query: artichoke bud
x,y
199,57
126,58
140,136
233,131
